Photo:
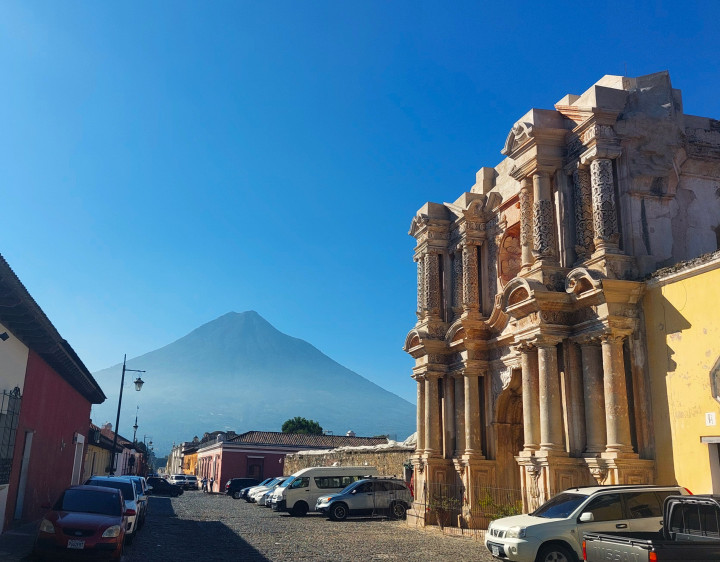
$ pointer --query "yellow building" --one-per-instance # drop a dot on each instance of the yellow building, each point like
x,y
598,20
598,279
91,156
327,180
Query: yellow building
x,y
683,335
190,463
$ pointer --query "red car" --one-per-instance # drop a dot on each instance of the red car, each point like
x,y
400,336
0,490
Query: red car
x,y
84,520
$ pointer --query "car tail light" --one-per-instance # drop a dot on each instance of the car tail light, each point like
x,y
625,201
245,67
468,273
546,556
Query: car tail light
x,y
130,512
584,551
652,557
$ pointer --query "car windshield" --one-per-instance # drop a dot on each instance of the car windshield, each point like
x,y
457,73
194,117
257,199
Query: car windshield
x,y
89,501
287,482
125,487
560,506
138,487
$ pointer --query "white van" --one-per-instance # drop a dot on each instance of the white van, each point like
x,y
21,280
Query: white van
x,y
300,492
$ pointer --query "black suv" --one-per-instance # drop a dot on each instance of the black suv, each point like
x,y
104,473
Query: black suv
x,y
161,487
234,485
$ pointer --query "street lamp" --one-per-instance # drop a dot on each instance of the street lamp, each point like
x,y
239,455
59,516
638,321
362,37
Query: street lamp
x,y
138,385
135,427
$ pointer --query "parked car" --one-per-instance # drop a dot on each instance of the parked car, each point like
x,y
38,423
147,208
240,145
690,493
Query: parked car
x,y
264,498
161,487
690,532
368,497
97,517
129,494
554,531
234,486
300,492
178,480
255,493
191,482
142,498
253,489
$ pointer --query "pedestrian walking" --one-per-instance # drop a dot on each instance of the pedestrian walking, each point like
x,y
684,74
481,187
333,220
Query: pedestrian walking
x,y
204,484
212,481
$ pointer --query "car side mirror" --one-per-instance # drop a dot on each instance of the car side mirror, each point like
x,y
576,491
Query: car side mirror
x,y
587,517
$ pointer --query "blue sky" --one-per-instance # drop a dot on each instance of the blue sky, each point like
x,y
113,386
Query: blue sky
x,y
163,163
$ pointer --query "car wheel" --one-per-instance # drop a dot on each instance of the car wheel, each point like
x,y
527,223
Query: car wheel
x,y
555,553
236,495
398,510
338,511
300,509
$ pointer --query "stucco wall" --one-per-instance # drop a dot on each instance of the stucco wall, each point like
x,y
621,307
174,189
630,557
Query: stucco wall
x,y
388,462
683,334
54,412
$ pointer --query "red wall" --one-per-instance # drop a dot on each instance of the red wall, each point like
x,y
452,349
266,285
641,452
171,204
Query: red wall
x,y
55,411
233,464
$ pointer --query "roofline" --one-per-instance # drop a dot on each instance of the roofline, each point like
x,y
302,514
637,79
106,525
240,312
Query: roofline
x,y
28,323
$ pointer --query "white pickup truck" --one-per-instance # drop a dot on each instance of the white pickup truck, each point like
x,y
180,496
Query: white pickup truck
x,y
554,532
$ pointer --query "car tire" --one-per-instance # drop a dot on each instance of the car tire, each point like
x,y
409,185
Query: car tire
x,y
398,510
236,495
555,553
338,511
300,509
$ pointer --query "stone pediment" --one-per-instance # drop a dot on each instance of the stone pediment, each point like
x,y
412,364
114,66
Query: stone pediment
x,y
520,133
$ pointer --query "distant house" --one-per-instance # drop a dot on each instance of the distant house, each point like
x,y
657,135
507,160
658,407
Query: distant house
x,y
261,454
46,393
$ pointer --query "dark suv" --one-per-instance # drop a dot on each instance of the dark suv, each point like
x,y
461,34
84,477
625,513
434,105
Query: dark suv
x,y
161,487
234,485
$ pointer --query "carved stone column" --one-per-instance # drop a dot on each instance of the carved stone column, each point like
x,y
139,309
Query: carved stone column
x,y
605,222
473,430
457,299
448,416
595,425
551,426
420,287
471,286
616,401
543,229
530,397
420,413
584,245
526,222
459,381
432,284
432,417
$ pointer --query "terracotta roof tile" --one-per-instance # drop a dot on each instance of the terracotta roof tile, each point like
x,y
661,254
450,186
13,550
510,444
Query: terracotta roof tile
x,y
302,440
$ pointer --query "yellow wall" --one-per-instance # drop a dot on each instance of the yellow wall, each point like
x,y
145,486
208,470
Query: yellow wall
x,y
190,463
96,461
683,332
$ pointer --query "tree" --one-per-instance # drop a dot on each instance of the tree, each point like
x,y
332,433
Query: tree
x,y
302,425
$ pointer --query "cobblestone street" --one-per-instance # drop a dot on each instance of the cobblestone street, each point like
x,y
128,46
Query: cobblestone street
x,y
215,527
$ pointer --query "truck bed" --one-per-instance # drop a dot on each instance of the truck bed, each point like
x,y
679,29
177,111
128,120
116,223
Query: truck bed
x,y
636,547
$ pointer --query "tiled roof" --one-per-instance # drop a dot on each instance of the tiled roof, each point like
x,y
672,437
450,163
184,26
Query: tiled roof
x,y
22,316
301,440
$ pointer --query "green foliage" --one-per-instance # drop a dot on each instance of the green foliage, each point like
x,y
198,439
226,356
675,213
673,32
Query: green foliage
x,y
496,509
302,425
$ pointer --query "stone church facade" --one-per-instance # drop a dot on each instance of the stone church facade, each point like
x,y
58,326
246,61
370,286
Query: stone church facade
x,y
530,350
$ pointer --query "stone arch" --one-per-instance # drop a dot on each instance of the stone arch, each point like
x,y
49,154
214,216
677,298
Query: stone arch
x,y
412,340
519,290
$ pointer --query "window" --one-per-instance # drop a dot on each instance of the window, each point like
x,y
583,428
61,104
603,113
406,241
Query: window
x,y
300,483
607,507
643,504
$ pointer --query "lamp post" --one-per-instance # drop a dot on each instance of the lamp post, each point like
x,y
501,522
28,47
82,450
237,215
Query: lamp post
x,y
148,447
138,385
135,427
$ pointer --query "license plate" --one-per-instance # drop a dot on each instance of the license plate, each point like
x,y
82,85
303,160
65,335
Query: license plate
x,y
496,551
74,543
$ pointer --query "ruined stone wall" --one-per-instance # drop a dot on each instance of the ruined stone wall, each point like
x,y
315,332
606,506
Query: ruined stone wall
x,y
388,462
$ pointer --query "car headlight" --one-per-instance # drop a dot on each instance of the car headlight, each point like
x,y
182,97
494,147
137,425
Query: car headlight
x,y
111,532
47,527
324,500
515,533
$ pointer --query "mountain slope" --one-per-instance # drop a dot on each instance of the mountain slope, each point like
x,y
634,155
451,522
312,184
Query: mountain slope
x,y
239,373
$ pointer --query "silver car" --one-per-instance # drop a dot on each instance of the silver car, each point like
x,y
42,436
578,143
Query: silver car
x,y
370,496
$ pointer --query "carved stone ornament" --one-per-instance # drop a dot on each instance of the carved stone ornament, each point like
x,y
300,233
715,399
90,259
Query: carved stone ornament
x,y
471,288
598,131
420,287
600,473
526,214
432,283
555,317
583,214
603,200
534,473
543,233
520,133
510,255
